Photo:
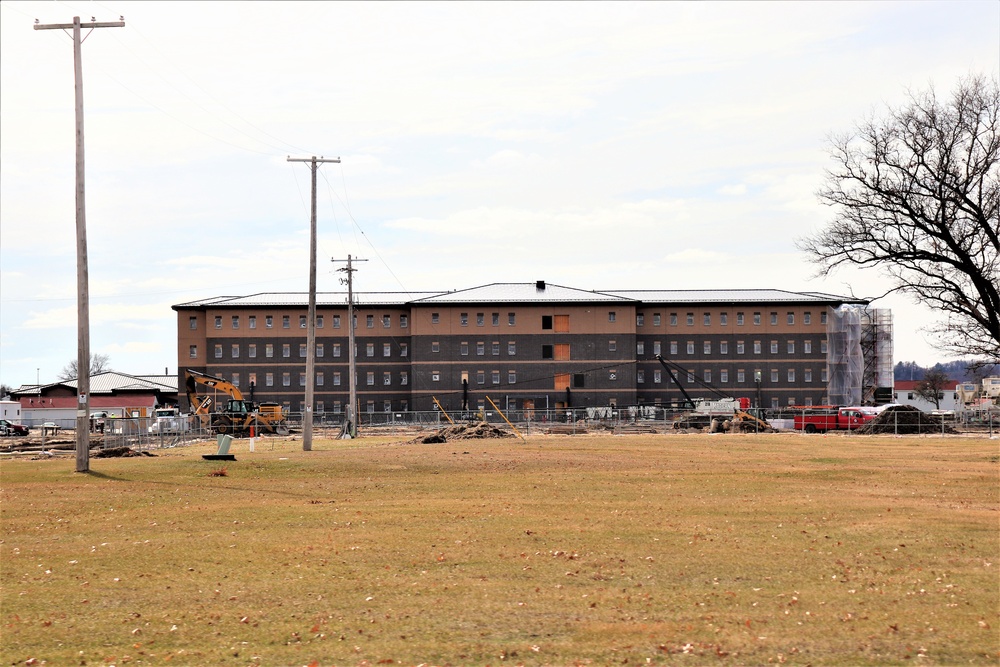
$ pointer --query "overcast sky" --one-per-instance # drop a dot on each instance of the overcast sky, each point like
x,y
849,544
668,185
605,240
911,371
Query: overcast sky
x,y
592,145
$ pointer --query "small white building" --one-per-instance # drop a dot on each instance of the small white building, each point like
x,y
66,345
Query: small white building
x,y
905,393
11,411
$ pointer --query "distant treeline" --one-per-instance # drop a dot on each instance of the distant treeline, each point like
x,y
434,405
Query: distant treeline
x,y
955,370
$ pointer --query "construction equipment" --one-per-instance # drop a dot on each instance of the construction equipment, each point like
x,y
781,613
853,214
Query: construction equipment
x,y
238,415
723,413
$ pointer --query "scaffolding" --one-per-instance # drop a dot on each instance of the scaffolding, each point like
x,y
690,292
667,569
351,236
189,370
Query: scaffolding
x,y
876,353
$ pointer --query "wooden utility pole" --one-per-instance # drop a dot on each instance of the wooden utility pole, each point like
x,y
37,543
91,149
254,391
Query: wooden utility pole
x,y
82,276
351,427
307,417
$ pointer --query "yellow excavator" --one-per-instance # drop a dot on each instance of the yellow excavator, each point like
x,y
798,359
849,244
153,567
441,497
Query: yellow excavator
x,y
237,415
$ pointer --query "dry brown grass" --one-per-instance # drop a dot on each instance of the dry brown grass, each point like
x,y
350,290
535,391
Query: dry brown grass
x,y
679,549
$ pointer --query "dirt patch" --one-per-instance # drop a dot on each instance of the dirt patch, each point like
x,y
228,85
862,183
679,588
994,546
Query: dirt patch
x,y
472,431
117,452
905,420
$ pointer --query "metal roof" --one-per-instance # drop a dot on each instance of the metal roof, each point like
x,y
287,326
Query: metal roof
x,y
534,292
110,382
521,293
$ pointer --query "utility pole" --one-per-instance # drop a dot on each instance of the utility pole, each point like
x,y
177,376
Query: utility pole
x,y
351,425
82,276
307,418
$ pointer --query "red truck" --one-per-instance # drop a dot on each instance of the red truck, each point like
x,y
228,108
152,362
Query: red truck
x,y
830,418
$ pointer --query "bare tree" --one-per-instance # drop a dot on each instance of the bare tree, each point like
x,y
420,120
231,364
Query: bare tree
x,y
916,194
933,386
98,364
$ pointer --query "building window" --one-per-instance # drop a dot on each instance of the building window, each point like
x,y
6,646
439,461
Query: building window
x,y
286,322
822,375
435,346
708,375
463,348
236,321
791,318
756,347
193,323
774,347
404,321
319,321
640,319
807,347
302,379
319,378
495,377
286,379
724,375
511,319
253,379
656,348
269,321
336,349
673,348
370,349
739,319
404,349
218,350
809,400
723,319
302,350
193,351
807,317
707,347
657,376
234,351
774,319
707,319
756,319
791,375
547,352
336,321
463,319
656,319
496,348
435,318
690,347
370,378
218,321
774,375
386,321
741,376
286,350
511,377
480,348
612,316
740,347
435,376
336,378
386,349
269,350
673,319
774,402
496,319
480,377
404,378
822,347
511,348
480,319
319,349
640,347
822,317
386,378
723,347
369,321
791,347
640,376
690,319
252,321
269,379
807,375
612,346
690,376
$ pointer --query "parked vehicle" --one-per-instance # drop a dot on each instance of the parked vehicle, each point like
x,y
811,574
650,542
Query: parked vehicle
x,y
169,420
10,428
831,418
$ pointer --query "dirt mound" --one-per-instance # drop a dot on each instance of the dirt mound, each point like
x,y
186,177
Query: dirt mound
x,y
905,420
472,431
117,452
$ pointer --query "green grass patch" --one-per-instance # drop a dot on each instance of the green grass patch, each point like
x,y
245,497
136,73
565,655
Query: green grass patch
x,y
678,549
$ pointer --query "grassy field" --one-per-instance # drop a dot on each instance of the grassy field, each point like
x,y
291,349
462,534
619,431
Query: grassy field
x,y
600,550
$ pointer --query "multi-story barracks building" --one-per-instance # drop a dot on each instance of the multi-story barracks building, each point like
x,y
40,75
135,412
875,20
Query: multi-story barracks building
x,y
536,346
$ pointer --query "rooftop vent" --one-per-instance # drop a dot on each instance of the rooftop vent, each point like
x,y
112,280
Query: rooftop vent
x,y
540,285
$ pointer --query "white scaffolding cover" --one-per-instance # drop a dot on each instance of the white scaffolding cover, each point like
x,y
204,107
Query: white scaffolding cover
x,y
844,358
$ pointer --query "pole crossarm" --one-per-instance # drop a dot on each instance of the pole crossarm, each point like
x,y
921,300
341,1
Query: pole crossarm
x,y
70,26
